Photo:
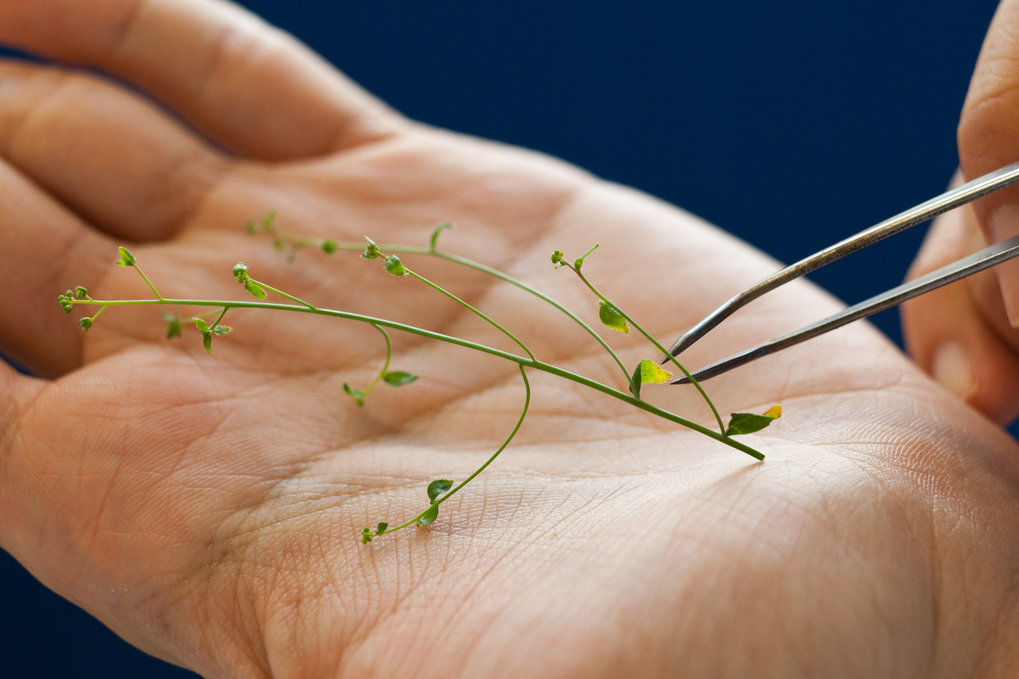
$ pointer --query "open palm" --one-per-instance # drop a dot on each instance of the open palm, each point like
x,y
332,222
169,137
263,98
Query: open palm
x,y
208,509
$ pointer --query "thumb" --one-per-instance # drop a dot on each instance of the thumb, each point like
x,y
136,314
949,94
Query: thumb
x,y
959,333
988,138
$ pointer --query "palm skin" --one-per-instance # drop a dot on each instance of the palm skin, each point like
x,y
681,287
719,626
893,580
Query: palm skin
x,y
208,508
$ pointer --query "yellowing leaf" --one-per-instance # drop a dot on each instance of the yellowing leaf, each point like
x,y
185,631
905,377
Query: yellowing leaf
x,y
612,317
652,373
748,423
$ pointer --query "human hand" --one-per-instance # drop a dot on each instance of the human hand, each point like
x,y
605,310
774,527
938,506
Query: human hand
x,y
966,334
208,509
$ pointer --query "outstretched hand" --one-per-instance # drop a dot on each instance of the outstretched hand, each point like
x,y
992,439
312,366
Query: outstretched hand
x,y
208,509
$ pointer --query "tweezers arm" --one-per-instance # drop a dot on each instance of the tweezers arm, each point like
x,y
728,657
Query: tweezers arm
x,y
955,271
960,195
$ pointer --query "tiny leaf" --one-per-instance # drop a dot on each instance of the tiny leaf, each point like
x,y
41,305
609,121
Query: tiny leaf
x,y
126,258
434,239
652,373
398,378
203,328
429,515
748,423
381,528
174,324
438,487
635,382
395,266
579,261
612,317
255,289
355,394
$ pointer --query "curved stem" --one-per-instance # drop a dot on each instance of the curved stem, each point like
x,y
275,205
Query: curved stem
x,y
490,460
306,241
657,345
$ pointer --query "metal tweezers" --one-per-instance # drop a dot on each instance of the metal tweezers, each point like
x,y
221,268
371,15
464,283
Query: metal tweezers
x,y
988,257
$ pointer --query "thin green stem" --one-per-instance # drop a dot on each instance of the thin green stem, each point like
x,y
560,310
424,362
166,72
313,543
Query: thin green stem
x,y
218,318
658,346
147,281
385,363
472,309
490,460
354,246
525,361
279,292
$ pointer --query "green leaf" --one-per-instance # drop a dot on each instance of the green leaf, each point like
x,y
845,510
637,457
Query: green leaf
x,y
579,261
395,266
174,324
255,289
203,328
398,378
612,317
647,372
381,528
434,239
652,373
429,515
438,487
126,258
355,394
748,423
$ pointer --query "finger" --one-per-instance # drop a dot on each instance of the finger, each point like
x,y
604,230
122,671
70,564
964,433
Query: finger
x,y
250,87
17,390
959,333
45,250
989,137
115,159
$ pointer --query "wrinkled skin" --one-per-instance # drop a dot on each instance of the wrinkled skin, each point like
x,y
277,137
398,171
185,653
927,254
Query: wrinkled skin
x,y
208,508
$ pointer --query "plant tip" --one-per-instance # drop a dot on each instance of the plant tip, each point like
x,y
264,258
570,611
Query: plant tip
x,y
126,258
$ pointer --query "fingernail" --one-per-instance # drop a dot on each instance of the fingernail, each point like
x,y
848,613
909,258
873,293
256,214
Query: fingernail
x,y
951,368
1005,224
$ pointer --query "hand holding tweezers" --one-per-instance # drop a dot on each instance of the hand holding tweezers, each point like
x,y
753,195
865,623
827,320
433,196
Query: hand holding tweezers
x,y
988,257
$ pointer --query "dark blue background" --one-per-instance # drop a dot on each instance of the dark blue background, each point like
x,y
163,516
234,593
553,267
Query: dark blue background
x,y
789,123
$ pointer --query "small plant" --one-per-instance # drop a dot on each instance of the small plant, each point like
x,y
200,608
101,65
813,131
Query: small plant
x,y
209,325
